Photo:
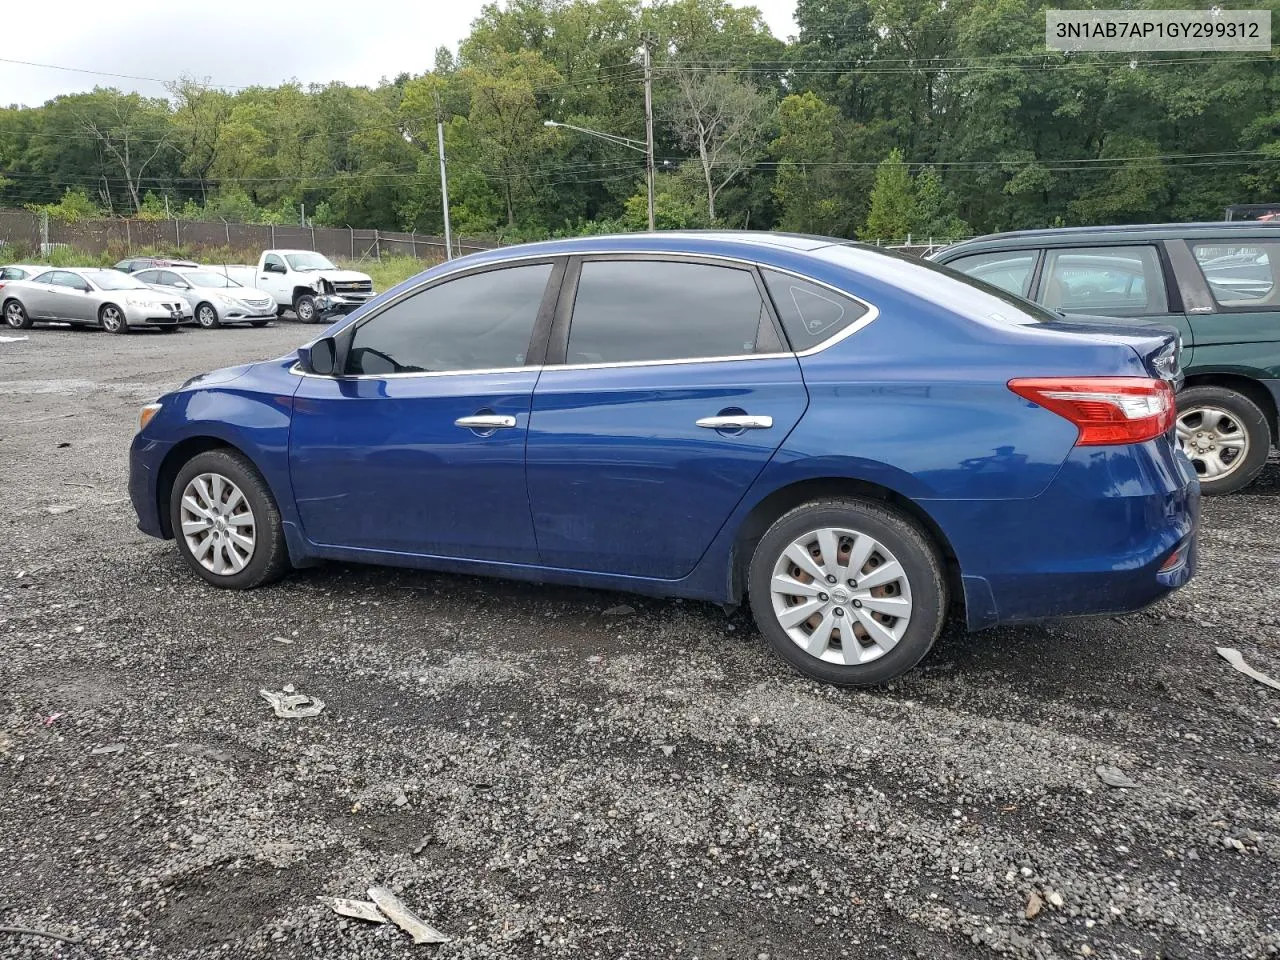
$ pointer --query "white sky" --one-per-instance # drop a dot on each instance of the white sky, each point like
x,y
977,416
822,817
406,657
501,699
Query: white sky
x,y
245,42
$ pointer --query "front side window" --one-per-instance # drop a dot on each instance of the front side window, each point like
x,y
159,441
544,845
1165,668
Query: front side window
x,y
46,277
273,261
1007,269
637,310
65,279
1240,273
1110,281
483,321
810,313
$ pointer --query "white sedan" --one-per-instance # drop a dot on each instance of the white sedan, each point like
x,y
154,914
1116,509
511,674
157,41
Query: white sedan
x,y
213,299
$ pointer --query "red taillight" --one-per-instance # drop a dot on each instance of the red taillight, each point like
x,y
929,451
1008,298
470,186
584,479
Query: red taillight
x,y
1106,410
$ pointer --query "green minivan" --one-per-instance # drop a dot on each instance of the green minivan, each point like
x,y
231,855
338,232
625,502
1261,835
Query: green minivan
x,y
1217,283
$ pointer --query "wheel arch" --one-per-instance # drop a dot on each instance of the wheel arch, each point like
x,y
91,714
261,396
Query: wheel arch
x,y
173,462
1245,386
774,505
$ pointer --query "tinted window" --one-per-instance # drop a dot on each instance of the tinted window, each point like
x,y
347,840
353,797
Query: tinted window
x,y
810,313
1112,281
46,277
480,322
65,279
632,310
273,260
1240,274
1007,269
148,276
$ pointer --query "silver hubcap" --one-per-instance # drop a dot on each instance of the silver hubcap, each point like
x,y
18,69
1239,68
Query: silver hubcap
x,y
13,313
305,310
111,319
841,596
207,317
1214,440
217,524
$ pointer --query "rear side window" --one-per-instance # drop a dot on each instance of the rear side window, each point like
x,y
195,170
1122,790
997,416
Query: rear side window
x,y
630,311
483,321
1240,274
1007,269
810,313
1110,281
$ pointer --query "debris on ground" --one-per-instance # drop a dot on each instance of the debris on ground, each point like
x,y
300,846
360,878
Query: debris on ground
x,y
284,640
359,909
404,918
33,932
1115,777
1236,659
621,610
292,706
108,748
668,750
12,339
51,719
1034,906
57,509
200,750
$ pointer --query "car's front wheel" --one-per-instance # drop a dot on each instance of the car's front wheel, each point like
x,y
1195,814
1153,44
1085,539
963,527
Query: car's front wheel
x,y
304,308
111,319
15,315
1226,436
207,317
848,591
226,522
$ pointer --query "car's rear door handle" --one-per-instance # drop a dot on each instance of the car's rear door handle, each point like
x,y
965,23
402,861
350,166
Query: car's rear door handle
x,y
742,422
482,422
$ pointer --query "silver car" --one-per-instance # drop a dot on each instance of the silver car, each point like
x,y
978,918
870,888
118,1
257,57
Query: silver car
x,y
19,271
112,300
212,298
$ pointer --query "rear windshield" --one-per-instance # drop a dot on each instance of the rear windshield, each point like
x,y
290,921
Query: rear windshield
x,y
939,284
202,278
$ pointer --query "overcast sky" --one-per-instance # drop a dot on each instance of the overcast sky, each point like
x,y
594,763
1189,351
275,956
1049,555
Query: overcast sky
x,y
245,42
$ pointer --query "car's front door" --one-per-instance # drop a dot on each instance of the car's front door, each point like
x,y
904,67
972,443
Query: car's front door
x,y
667,390
72,298
274,278
1125,281
418,446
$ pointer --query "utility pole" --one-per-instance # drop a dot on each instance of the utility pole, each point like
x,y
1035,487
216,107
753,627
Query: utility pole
x,y
648,128
302,214
444,183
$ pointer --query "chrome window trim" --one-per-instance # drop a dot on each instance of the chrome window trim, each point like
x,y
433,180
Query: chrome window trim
x,y
872,312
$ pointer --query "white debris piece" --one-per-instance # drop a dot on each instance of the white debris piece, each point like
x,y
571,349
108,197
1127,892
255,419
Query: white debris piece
x,y
404,918
359,909
1236,659
292,705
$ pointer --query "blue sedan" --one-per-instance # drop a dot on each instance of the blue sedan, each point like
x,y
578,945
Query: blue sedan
x,y
857,443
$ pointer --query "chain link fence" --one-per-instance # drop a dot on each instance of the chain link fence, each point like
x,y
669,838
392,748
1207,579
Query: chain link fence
x,y
26,230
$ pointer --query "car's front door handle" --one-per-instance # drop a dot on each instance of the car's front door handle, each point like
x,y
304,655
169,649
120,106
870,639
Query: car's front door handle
x,y
482,422
741,422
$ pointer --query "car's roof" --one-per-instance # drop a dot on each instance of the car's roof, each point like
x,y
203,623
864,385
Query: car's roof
x,y
26,266
1073,236
679,241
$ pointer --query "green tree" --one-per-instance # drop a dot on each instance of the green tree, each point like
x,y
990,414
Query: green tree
x,y
809,187
893,201
935,217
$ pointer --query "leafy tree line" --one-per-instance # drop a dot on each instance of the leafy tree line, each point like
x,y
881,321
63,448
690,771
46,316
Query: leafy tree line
x,y
881,118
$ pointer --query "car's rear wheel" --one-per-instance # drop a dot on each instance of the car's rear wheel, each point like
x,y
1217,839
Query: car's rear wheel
x,y
1226,436
207,317
111,319
848,591
15,315
226,522
304,308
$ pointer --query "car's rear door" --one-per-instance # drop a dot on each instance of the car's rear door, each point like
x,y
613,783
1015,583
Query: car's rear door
x,y
1237,322
418,446
667,389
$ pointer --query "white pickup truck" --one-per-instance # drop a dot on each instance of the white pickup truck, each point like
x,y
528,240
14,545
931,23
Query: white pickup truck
x,y
305,282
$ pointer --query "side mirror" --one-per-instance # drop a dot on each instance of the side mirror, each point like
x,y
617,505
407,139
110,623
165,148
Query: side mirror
x,y
319,356
273,268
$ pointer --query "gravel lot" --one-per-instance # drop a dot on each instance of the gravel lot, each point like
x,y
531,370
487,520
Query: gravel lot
x,y
540,777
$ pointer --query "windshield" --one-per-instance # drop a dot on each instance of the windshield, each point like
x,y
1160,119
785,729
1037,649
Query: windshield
x,y
203,278
114,280
309,261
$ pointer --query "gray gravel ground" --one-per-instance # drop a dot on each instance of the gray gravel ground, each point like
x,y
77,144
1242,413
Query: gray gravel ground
x,y
539,779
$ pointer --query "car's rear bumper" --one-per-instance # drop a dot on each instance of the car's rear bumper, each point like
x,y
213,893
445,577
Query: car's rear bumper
x,y
145,458
1094,542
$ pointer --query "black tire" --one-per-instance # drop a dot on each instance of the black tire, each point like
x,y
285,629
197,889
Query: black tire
x,y
270,558
15,315
304,308
921,564
258,323
112,319
1244,418
206,316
